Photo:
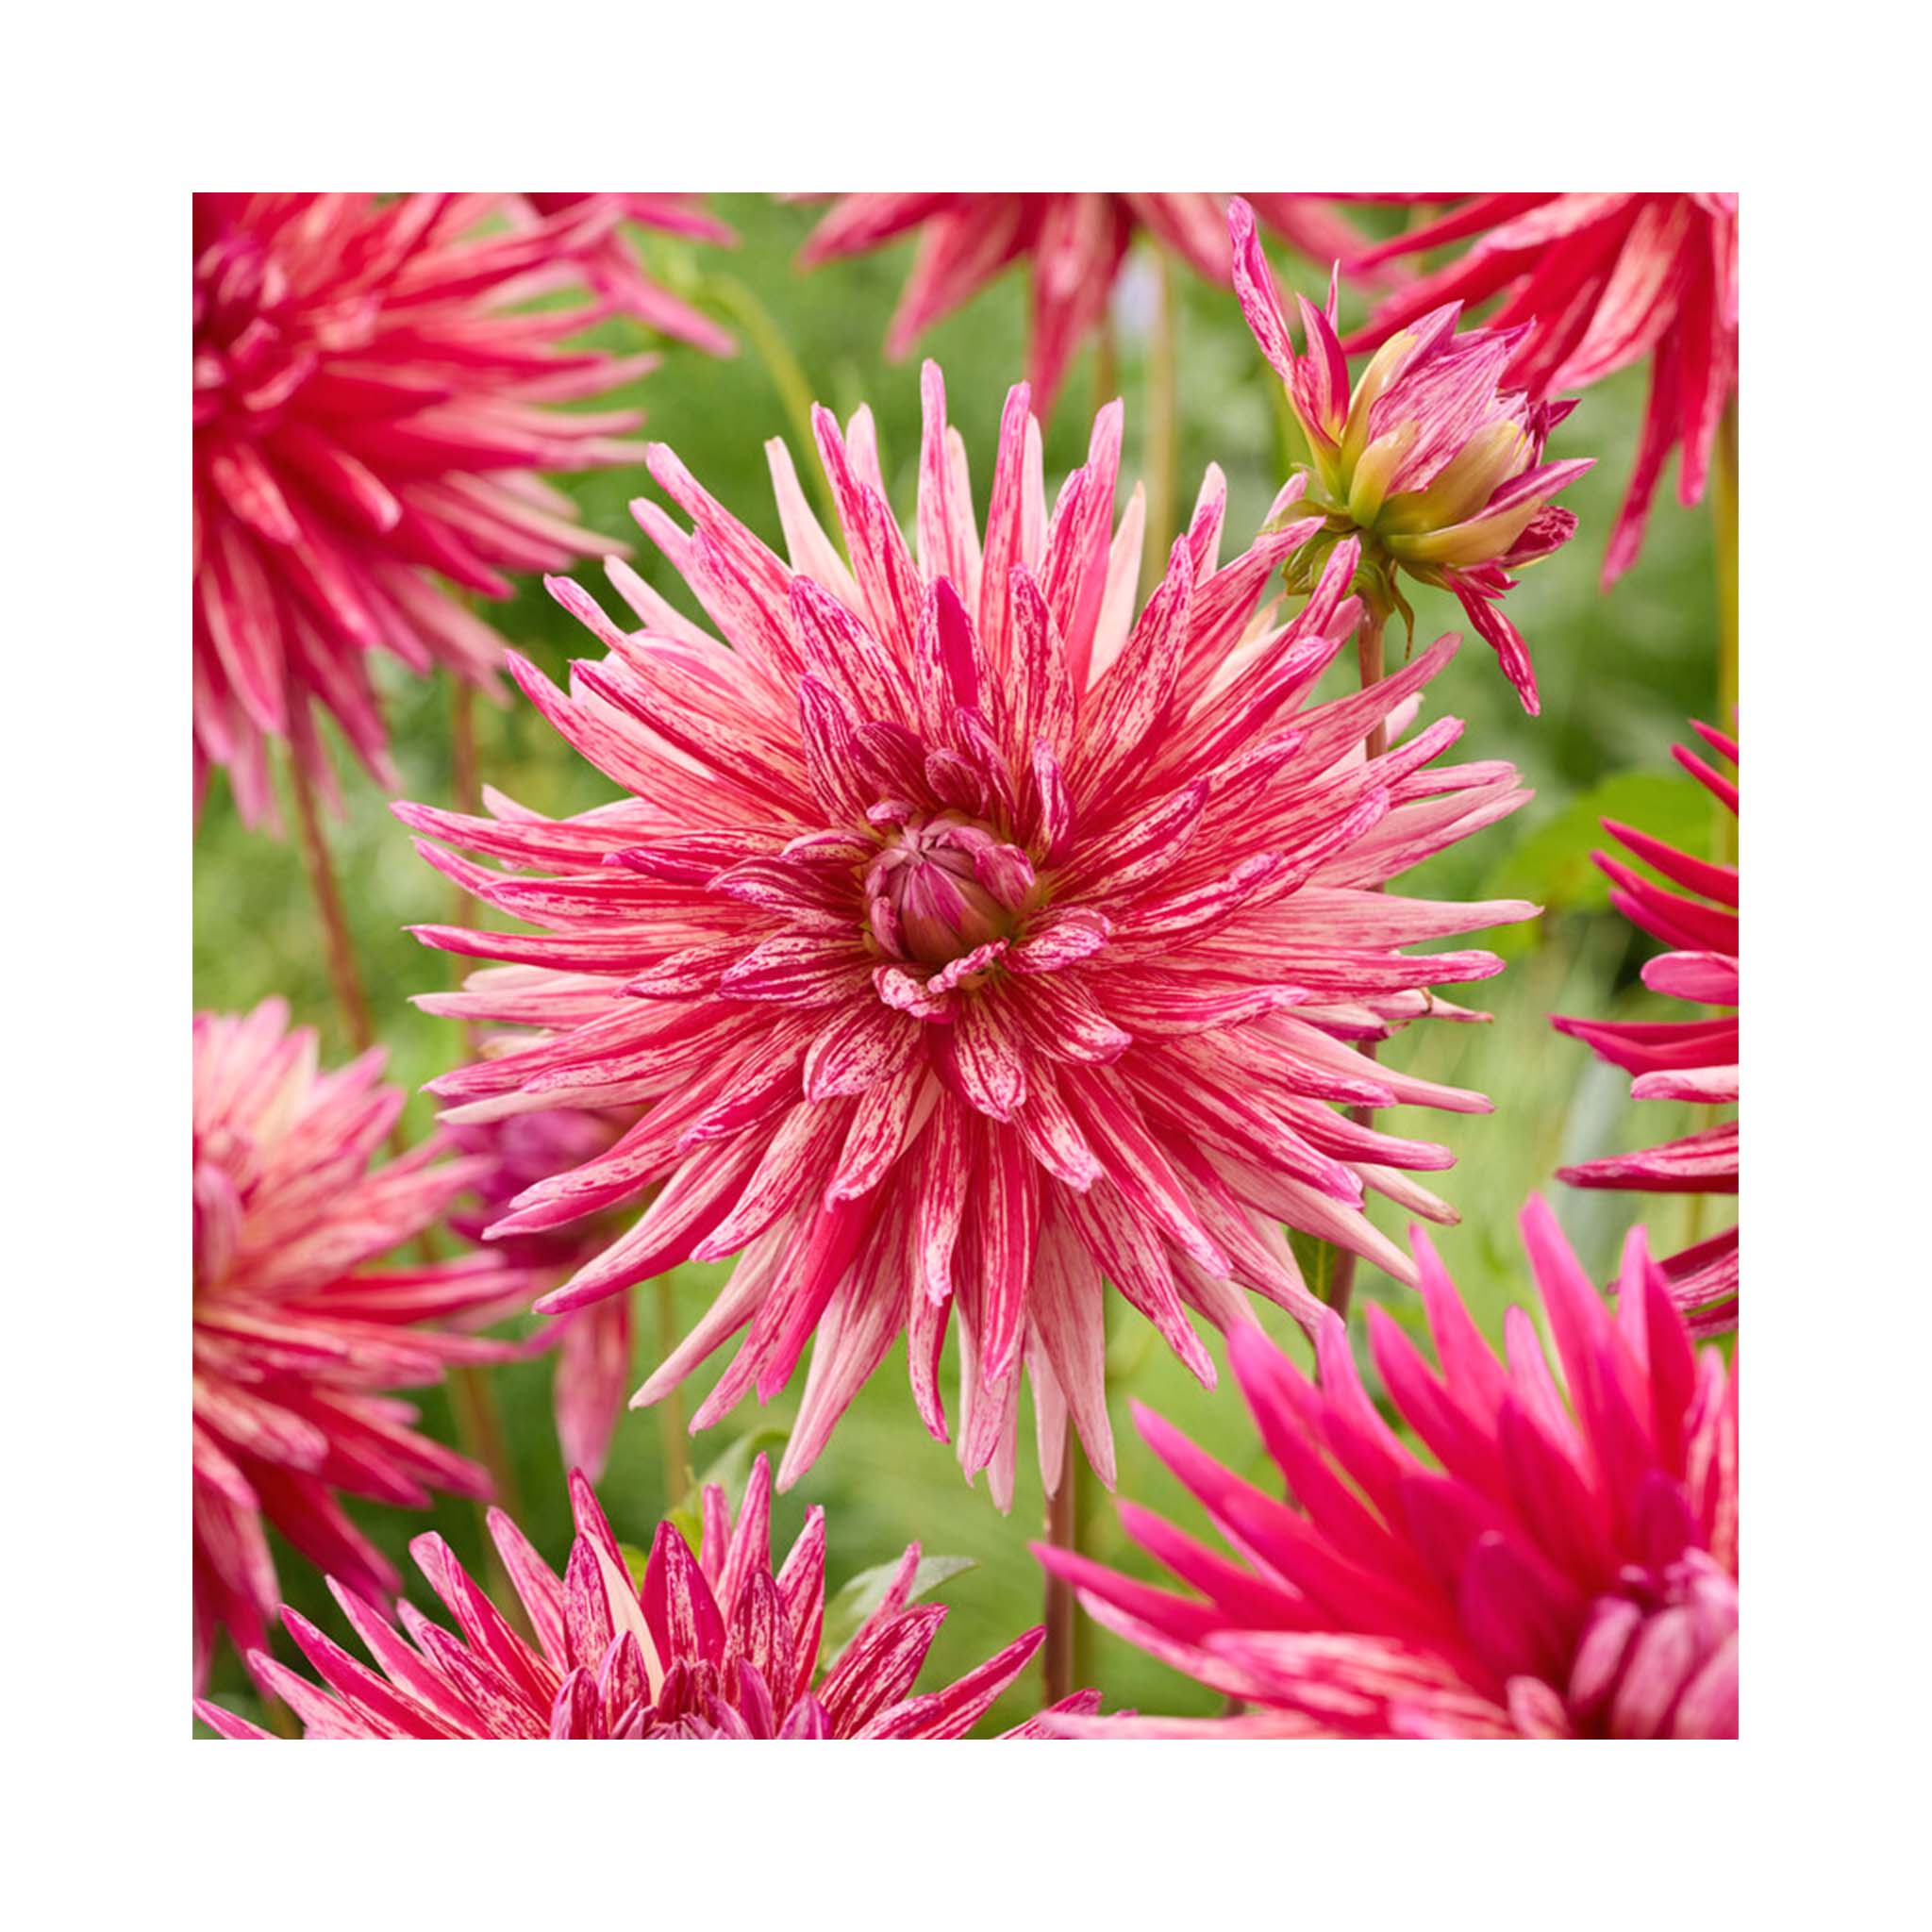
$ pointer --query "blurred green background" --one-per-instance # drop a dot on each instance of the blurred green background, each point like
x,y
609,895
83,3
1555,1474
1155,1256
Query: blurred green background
x,y
1620,674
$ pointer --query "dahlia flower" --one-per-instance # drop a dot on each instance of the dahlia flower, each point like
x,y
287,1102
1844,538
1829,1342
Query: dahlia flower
x,y
1598,281
715,1645
593,1345
967,941
1680,1060
369,419
298,1340
1074,245
1564,1568
1425,462
619,277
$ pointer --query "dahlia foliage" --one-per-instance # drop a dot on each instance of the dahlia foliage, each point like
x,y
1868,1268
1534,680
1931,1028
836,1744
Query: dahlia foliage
x,y
1680,1060
1566,1568
1426,463
1074,245
610,258
297,1339
371,412
714,1645
593,1345
1596,282
967,938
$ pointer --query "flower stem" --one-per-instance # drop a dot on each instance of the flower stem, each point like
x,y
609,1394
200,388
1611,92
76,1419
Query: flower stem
x,y
1724,498
1368,646
352,1003
1063,1532
1163,438
679,1479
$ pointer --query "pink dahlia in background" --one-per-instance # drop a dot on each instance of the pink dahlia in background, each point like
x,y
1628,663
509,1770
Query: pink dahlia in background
x,y
1680,1060
1596,282
593,1345
1426,463
1566,1565
968,939
611,260
714,1645
371,412
1074,245
298,1340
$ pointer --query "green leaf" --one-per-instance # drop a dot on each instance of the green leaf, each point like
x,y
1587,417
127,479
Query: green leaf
x,y
867,1591
1315,1257
1552,865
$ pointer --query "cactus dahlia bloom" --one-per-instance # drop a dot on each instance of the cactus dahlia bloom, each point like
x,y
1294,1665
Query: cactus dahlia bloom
x,y
1680,1060
967,941
611,260
1425,462
1074,245
593,1345
1600,281
370,416
714,1645
1564,1567
299,1339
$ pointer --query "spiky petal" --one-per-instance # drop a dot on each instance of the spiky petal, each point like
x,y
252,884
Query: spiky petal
x,y
299,1339
968,941
1693,1060
1560,1565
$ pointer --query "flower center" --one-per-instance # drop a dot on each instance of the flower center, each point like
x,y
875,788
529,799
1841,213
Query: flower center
x,y
943,886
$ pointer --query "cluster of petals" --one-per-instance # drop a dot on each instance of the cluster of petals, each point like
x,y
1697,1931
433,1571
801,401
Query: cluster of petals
x,y
373,406
967,940
712,1645
1599,282
1694,1060
610,257
298,1340
593,1345
1074,245
1426,461
1565,1567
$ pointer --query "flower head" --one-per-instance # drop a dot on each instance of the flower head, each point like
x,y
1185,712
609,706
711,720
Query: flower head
x,y
712,1645
298,1340
593,1345
1680,1060
1564,1567
968,940
1074,243
369,421
1587,284
612,263
1426,463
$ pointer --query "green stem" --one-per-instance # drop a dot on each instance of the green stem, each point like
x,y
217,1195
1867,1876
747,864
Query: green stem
x,y
1724,497
352,1002
1056,1658
679,1479
1163,433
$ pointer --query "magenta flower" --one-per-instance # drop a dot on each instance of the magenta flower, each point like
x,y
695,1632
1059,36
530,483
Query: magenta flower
x,y
968,940
617,274
1598,281
714,1645
1680,1060
593,1345
369,415
1562,1568
298,1340
1426,463
1074,245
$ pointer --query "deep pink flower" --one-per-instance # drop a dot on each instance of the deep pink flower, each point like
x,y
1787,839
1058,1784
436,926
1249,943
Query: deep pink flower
x,y
1563,1568
1425,462
370,416
714,1645
1680,1060
1074,245
593,1345
1599,281
297,1339
619,277
968,942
